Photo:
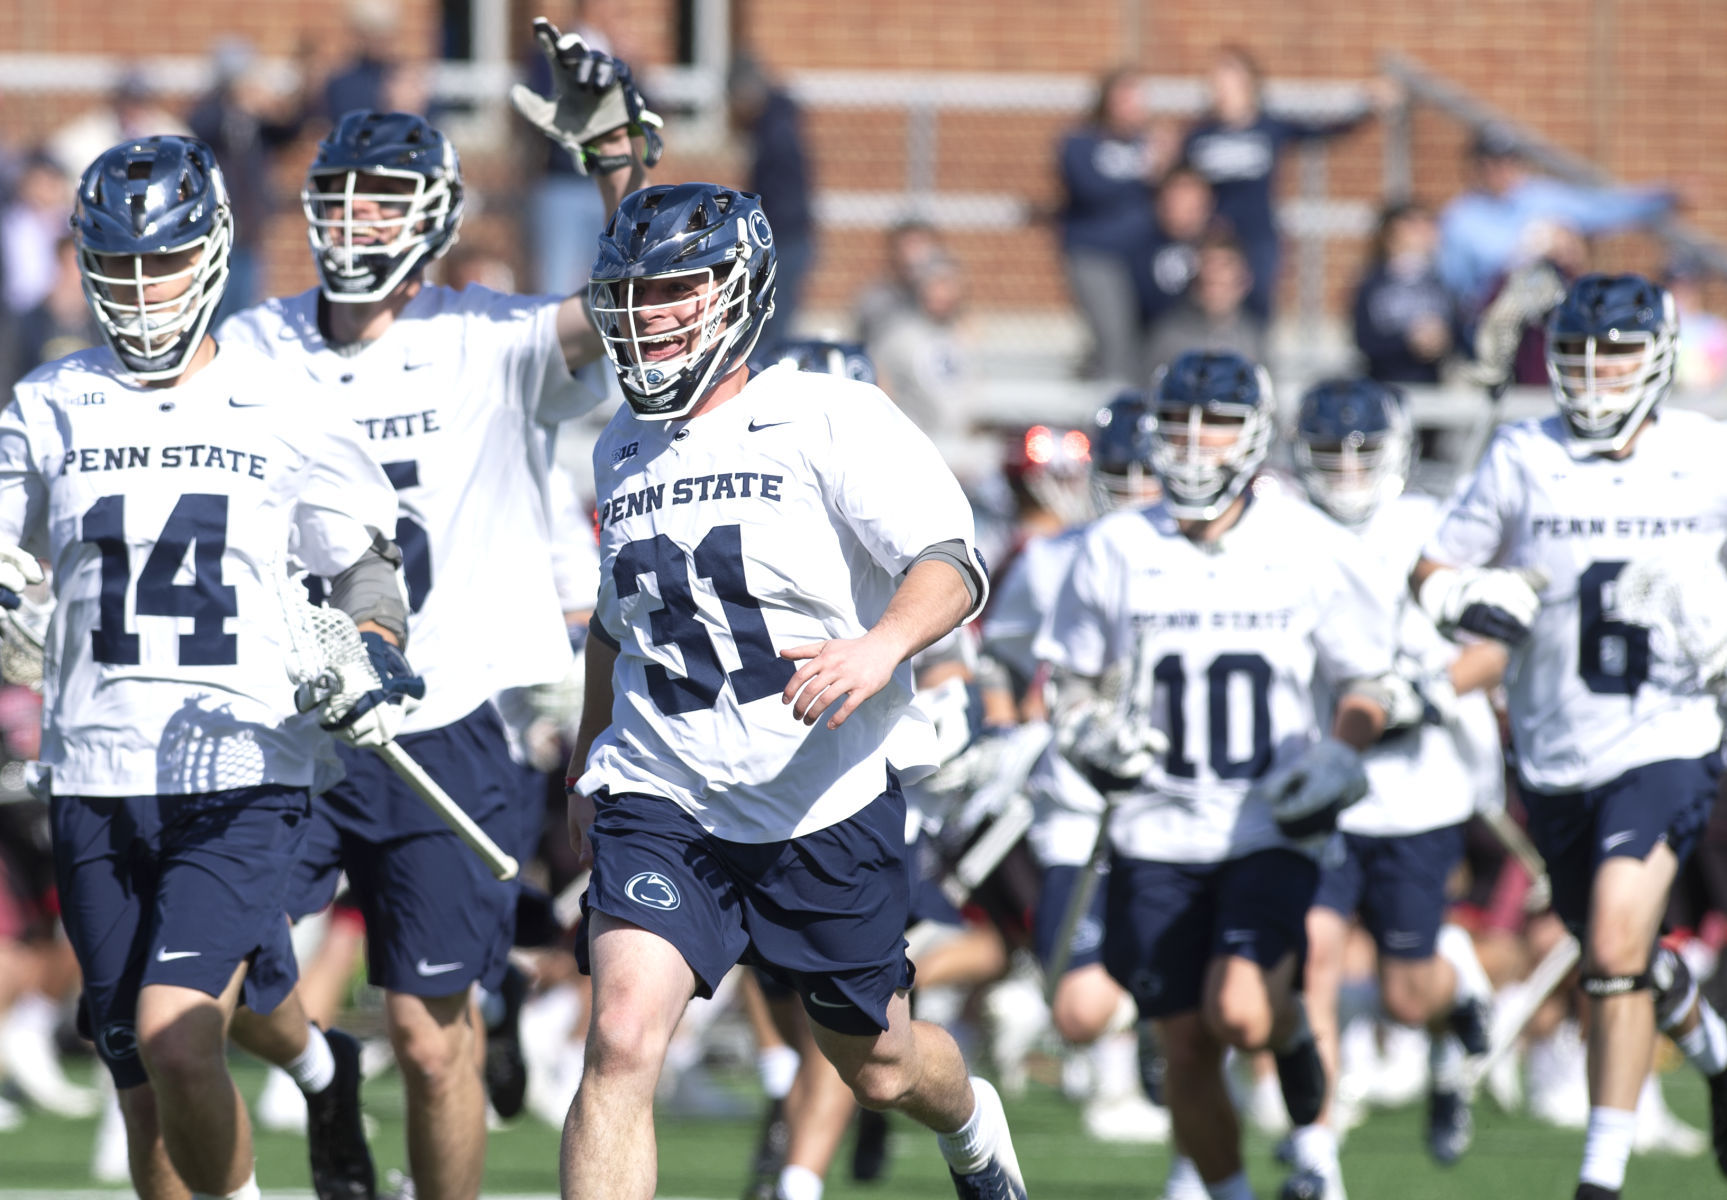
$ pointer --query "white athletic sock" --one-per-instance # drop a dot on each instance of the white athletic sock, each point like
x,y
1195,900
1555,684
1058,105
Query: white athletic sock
x,y
1183,1178
1125,1018
315,1068
969,1148
1445,1062
1607,1146
1457,948
1233,1188
246,1191
1705,1047
777,1066
800,1183
35,1012
1115,1061
1314,1146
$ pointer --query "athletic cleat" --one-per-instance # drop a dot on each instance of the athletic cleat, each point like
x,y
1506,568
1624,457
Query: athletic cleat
x,y
506,1071
991,1183
1470,1021
1302,1076
1593,1191
1718,1118
1450,1127
1308,1183
335,1133
1151,1063
1001,1179
770,1157
869,1149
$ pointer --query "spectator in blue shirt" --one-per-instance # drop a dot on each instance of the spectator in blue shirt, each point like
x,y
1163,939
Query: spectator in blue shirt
x,y
1108,166
780,175
1482,233
1237,146
1169,259
1405,319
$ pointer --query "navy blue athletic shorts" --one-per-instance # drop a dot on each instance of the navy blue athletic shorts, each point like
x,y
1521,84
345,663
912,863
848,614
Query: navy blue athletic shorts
x,y
1397,885
436,919
1164,923
1052,900
175,890
1626,817
825,913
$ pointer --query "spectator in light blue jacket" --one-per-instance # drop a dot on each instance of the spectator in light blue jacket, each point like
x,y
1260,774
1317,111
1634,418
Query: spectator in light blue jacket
x,y
1482,232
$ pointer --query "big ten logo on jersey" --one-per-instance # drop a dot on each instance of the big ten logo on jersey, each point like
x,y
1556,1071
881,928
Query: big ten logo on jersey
x,y
401,425
89,399
625,452
692,489
199,455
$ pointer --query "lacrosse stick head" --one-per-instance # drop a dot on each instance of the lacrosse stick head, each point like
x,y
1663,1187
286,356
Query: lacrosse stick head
x,y
326,658
22,633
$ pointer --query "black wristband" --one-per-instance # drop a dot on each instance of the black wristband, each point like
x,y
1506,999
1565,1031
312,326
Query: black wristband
x,y
606,164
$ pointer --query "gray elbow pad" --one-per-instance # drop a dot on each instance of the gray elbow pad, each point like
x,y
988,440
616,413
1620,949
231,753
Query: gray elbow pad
x,y
371,589
952,552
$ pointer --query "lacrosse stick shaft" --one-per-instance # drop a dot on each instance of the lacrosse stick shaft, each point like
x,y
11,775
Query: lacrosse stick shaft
x,y
449,812
1078,904
1549,973
1509,834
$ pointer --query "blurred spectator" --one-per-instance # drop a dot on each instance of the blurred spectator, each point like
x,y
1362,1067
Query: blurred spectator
x,y
361,83
921,358
1482,230
1405,319
1107,166
911,246
245,124
1215,315
1165,266
30,224
779,173
565,213
131,112
61,323
1236,145
1702,334
471,263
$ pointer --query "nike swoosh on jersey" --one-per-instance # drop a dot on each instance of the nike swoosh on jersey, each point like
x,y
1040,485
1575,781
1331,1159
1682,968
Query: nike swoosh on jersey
x,y
754,428
426,968
408,366
233,403
1613,840
163,954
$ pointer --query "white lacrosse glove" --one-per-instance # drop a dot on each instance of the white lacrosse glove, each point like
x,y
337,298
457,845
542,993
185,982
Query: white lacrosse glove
x,y
1497,603
1411,696
1308,795
364,701
1111,750
18,570
594,94
1682,600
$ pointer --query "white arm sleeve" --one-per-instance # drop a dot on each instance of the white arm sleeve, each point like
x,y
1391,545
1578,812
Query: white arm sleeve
x,y
1473,526
344,498
23,491
537,370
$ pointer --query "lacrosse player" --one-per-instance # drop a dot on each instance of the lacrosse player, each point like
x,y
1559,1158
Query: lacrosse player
x,y
1618,754
1190,636
1400,844
773,549
163,476
452,391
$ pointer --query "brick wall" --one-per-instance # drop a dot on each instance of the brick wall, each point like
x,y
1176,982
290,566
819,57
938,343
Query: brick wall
x,y
1638,90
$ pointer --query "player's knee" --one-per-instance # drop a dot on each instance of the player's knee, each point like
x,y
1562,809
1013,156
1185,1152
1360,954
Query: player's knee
x,y
431,1053
878,1085
1081,1015
622,1043
1405,999
1189,1050
1240,1018
180,1056
1616,948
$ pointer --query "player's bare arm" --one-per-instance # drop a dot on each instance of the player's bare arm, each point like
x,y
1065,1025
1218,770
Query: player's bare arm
x,y
933,598
596,715
1359,721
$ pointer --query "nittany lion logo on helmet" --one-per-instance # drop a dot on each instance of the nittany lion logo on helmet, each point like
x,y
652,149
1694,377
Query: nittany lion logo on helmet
x,y
760,230
654,890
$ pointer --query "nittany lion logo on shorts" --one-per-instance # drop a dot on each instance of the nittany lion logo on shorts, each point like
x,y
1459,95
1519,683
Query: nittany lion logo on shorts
x,y
1087,935
654,890
118,1041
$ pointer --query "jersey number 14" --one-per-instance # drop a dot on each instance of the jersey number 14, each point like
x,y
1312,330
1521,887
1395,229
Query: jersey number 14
x,y
199,523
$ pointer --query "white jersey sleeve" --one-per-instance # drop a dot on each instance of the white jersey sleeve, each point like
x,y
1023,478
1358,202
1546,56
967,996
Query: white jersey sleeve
x,y
542,379
167,517
1025,596
729,537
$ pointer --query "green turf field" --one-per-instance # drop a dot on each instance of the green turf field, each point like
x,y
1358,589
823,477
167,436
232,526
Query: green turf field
x,y
1513,1158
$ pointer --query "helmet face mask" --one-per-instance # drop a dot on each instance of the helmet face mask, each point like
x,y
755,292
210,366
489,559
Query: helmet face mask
x,y
679,292
1611,351
154,230
1122,475
1213,431
1352,448
382,199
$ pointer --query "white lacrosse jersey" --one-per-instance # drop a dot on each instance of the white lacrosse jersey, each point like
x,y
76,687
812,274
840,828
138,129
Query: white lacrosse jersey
x,y
1588,701
1428,777
448,401
1227,645
166,515
783,517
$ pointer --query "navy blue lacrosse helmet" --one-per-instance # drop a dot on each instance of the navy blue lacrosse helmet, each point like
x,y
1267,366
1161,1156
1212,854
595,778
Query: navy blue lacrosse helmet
x,y
823,356
1352,446
382,199
1611,348
154,228
679,292
1200,400
1121,470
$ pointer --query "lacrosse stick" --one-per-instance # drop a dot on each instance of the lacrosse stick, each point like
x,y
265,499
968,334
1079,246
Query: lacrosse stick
x,y
322,639
21,643
1514,1018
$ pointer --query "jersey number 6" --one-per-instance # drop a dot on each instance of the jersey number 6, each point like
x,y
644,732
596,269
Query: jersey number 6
x,y
1612,656
719,559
